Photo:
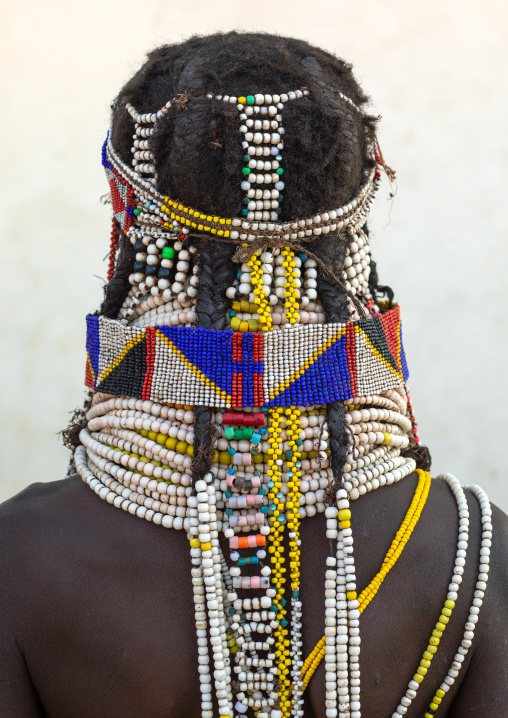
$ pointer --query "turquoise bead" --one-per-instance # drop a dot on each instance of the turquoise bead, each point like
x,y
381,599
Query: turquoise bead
x,y
250,99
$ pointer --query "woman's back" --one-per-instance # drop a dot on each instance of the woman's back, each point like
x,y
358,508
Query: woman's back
x,y
97,608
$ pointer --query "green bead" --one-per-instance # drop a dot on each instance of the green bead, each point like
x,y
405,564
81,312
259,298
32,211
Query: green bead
x,y
246,158
247,432
137,211
280,171
238,434
168,253
296,594
229,432
250,99
247,170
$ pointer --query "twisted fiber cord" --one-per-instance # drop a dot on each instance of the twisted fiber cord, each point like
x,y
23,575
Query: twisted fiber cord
x,y
402,536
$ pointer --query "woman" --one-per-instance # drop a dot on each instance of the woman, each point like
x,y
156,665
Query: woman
x,y
247,392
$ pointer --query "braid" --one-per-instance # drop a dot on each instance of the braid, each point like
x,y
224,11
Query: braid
x,y
335,305
378,290
216,273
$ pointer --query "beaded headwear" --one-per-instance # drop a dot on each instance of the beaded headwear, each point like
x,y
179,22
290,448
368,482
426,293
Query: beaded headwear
x,y
141,210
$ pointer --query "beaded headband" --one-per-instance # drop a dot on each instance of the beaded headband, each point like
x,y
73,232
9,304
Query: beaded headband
x,y
137,202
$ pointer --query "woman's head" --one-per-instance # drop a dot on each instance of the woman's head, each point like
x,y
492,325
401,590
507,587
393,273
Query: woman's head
x,y
198,147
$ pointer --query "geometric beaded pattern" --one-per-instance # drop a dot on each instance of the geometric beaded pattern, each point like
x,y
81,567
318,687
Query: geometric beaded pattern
x,y
301,365
122,193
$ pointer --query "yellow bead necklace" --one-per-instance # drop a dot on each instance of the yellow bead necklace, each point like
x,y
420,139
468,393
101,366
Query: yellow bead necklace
x,y
399,542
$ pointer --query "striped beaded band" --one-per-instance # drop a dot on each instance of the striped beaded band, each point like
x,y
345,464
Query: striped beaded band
x,y
302,365
135,198
163,212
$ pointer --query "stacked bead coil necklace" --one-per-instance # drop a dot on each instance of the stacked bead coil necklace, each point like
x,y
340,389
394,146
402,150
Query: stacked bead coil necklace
x,y
267,380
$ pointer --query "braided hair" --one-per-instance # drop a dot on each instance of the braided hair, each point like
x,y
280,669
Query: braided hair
x,y
198,156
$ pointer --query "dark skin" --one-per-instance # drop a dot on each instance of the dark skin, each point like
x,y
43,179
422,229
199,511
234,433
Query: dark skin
x,y
96,614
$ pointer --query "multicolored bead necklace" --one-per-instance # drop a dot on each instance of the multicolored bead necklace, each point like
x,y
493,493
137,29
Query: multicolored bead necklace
x,y
267,380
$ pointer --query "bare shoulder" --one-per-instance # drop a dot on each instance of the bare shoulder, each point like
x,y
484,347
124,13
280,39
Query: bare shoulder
x,y
38,511
49,529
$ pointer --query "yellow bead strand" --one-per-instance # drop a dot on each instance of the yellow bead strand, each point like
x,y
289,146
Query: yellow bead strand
x,y
399,542
431,650
263,306
293,425
276,550
291,293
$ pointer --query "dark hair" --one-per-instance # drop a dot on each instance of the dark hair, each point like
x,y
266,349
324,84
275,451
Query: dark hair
x,y
198,159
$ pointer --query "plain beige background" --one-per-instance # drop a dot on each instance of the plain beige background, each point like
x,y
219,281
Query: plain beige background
x,y
436,71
